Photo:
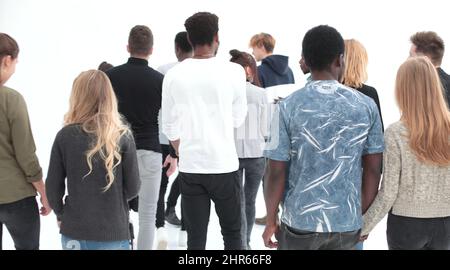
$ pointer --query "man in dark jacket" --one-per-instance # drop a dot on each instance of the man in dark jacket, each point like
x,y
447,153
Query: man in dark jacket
x,y
432,46
274,69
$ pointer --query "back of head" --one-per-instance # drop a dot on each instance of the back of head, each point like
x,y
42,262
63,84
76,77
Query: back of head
x,y
140,40
424,111
93,105
8,47
201,28
246,60
321,46
356,60
429,44
182,42
105,66
263,40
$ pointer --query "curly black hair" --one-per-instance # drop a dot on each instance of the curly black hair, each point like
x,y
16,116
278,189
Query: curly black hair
x,y
201,28
321,46
182,42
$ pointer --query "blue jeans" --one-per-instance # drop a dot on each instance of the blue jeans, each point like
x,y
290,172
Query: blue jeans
x,y
72,244
253,170
359,246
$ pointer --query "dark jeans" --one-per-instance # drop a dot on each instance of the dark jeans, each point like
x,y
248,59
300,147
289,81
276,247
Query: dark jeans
x,y
197,191
292,239
407,233
173,195
21,218
175,191
160,218
253,169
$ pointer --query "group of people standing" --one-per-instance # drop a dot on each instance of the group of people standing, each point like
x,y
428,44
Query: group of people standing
x,y
319,149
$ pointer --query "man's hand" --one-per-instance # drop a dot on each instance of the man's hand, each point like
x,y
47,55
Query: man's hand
x,y
363,238
173,162
45,209
269,231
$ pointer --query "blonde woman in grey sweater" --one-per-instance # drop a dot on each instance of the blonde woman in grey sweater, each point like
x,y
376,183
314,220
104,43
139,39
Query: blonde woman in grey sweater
x,y
416,182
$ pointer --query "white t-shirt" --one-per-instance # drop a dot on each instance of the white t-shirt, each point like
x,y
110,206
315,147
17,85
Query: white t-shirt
x,y
163,70
203,100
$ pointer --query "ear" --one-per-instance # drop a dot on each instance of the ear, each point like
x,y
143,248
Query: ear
x,y
340,61
216,37
128,48
248,72
7,61
150,52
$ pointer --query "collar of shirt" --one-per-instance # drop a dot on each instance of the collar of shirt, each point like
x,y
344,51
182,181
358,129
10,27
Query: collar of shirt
x,y
137,61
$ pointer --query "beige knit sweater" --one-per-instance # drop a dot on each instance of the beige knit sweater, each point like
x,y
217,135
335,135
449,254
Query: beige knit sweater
x,y
409,187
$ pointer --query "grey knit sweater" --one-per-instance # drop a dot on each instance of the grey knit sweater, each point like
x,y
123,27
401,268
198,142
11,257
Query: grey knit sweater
x,y
88,213
409,187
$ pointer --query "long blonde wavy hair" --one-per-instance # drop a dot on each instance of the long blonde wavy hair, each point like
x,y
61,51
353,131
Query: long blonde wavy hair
x,y
356,61
93,105
419,95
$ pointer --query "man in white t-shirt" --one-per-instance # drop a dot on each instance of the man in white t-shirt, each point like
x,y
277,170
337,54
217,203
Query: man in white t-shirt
x,y
204,99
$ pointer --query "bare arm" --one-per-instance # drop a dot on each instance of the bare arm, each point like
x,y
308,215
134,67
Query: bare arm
x,y
176,146
371,179
273,194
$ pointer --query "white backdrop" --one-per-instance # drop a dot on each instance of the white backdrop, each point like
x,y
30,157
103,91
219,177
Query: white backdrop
x,y
59,39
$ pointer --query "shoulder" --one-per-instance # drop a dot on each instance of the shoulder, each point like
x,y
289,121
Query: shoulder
x,y
360,96
395,130
69,130
256,91
127,140
232,66
115,70
166,67
369,91
11,94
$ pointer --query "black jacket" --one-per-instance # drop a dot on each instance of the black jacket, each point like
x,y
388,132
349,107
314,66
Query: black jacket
x,y
445,80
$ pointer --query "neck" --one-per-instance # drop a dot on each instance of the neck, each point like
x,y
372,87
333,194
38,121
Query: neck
x,y
144,57
323,75
204,52
184,56
267,55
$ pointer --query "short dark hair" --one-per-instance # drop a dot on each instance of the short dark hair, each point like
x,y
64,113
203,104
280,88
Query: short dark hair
x,y
140,40
8,46
182,42
321,45
105,66
201,28
430,44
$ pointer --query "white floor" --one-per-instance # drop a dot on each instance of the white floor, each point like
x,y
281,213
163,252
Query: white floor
x,y
50,238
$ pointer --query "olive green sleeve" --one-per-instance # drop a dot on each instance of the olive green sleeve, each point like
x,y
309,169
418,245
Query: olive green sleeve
x,y
22,139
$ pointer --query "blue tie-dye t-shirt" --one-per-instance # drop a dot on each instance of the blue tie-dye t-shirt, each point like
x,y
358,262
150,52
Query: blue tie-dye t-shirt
x,y
323,130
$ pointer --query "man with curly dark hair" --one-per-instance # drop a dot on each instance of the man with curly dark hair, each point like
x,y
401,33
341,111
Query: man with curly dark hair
x,y
204,99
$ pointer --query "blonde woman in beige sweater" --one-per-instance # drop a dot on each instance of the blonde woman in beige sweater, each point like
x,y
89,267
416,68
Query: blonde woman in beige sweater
x,y
416,184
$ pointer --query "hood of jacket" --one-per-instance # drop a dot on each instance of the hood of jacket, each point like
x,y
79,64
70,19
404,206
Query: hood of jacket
x,y
278,63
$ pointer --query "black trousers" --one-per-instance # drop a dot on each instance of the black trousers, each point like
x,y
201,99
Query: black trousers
x,y
22,221
197,191
407,233
173,195
292,239
160,218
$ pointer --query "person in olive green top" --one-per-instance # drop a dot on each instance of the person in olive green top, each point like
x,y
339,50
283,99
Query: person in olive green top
x,y
20,172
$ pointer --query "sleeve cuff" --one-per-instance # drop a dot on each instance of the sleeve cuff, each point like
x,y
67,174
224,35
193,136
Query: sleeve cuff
x,y
172,152
35,178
